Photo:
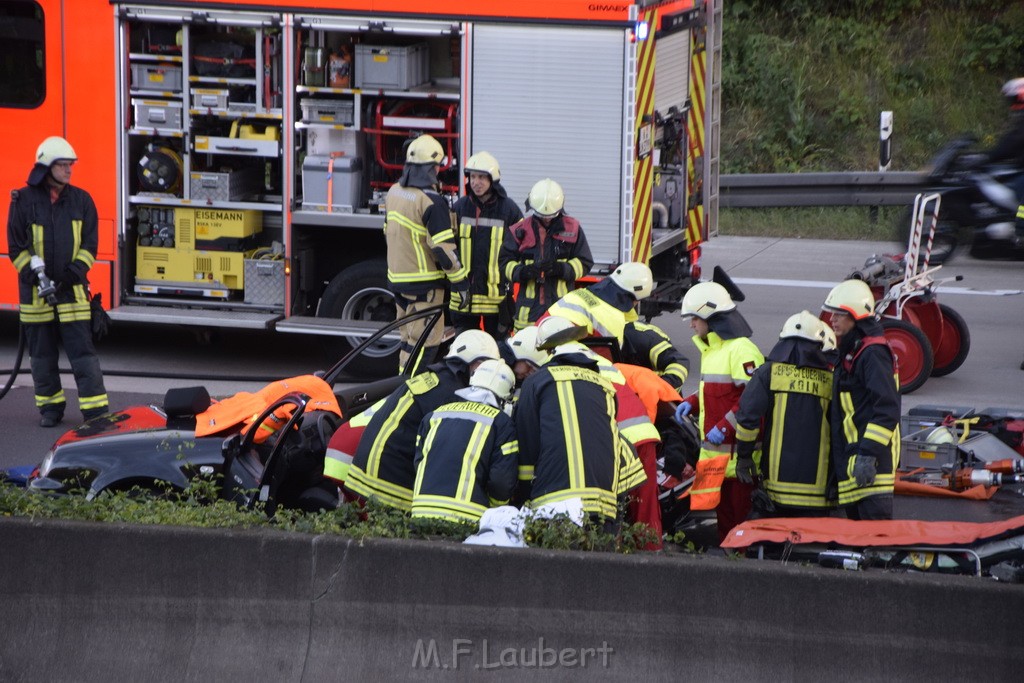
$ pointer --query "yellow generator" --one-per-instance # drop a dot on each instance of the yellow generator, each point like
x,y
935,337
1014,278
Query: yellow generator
x,y
195,252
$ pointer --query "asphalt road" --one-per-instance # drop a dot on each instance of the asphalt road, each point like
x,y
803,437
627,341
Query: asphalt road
x,y
779,277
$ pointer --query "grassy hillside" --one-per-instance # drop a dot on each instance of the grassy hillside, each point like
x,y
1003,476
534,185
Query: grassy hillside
x,y
804,81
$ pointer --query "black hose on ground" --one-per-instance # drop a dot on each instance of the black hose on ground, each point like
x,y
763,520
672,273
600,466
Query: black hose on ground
x,y
17,363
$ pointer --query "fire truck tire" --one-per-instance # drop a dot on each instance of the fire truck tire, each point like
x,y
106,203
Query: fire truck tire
x,y
360,292
913,352
952,349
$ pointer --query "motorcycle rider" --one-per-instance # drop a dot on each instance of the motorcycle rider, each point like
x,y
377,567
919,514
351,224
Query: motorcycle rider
x,y
1009,149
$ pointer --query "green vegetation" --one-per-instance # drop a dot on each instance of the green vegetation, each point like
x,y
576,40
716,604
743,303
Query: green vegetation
x,y
804,83
199,506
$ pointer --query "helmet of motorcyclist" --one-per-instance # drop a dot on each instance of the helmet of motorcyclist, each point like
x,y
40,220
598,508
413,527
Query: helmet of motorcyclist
x,y
473,345
53,149
852,297
555,330
705,299
1013,91
495,376
830,343
483,162
424,150
547,198
524,346
635,278
803,325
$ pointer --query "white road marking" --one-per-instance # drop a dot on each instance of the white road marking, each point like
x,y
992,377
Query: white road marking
x,y
820,284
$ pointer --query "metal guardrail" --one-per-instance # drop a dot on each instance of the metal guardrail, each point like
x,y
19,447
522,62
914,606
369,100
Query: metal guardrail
x,y
862,188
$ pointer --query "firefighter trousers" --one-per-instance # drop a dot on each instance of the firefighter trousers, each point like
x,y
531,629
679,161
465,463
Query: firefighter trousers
x,y
44,341
407,304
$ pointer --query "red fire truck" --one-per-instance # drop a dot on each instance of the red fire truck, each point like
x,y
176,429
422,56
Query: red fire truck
x,y
238,152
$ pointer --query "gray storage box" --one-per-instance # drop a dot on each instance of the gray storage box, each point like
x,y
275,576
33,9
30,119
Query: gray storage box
x,y
346,186
162,77
225,186
338,112
209,98
391,68
157,114
264,282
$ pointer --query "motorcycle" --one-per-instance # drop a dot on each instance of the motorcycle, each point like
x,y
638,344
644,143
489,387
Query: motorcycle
x,y
979,205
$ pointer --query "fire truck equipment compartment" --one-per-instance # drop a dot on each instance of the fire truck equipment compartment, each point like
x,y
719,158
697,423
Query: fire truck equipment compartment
x,y
391,67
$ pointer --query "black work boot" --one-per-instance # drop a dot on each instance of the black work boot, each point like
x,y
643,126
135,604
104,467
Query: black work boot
x,y
50,419
94,412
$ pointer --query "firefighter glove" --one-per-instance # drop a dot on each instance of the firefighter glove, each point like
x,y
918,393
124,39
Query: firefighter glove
x,y
460,296
863,469
74,274
746,470
527,272
682,410
716,436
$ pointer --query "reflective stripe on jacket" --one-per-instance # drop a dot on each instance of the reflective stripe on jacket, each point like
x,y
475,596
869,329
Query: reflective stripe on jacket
x,y
726,365
383,466
479,232
565,420
411,242
794,403
467,460
866,410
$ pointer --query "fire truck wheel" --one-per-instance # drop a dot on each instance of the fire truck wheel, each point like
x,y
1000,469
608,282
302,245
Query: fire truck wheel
x,y
913,351
360,292
952,349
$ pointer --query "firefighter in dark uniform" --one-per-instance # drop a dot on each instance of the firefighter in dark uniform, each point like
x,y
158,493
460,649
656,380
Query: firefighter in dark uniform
x,y
421,245
482,217
865,405
544,254
791,393
608,309
52,228
467,456
382,468
569,442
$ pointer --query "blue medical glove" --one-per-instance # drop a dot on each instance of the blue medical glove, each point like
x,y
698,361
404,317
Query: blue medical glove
x,y
682,410
716,436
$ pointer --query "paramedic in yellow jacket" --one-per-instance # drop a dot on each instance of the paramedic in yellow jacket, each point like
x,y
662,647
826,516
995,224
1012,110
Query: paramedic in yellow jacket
x,y
727,362
422,252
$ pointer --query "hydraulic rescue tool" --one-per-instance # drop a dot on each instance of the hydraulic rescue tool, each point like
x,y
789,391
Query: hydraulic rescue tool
x,y
46,289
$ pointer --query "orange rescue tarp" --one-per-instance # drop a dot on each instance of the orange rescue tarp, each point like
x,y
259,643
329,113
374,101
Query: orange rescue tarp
x,y
847,532
245,406
912,488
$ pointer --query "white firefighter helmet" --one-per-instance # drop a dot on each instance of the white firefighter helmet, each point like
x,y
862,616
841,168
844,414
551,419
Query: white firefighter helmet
x,y
53,149
852,297
554,331
524,346
424,150
705,299
484,162
634,277
547,198
830,343
473,345
804,325
941,435
495,376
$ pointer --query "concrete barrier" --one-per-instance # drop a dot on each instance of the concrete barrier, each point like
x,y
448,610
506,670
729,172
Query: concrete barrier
x,y
109,602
